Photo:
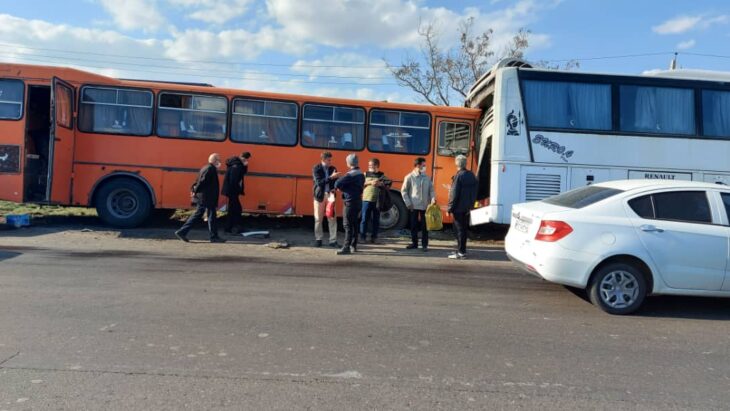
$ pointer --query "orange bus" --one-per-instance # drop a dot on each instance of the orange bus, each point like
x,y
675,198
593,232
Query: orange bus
x,y
128,147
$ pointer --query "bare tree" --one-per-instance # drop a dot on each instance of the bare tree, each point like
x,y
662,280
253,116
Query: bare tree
x,y
440,76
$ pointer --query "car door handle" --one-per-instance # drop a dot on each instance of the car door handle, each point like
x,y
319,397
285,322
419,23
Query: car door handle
x,y
651,229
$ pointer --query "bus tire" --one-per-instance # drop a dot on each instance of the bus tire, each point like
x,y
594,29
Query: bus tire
x,y
123,203
397,217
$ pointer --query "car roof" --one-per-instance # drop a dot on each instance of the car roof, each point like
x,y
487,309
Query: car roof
x,y
630,185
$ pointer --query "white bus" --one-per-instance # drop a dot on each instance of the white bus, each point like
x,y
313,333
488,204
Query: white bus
x,y
546,131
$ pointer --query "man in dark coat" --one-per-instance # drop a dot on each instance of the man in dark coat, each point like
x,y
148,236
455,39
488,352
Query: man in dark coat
x,y
324,175
205,194
351,186
233,186
462,195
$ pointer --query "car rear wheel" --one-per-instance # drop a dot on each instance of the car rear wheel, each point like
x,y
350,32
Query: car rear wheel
x,y
618,288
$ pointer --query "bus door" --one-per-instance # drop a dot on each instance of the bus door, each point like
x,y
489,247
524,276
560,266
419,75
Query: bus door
x,y
453,137
60,156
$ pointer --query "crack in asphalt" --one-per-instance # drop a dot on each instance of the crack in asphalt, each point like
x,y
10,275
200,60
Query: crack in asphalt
x,y
8,359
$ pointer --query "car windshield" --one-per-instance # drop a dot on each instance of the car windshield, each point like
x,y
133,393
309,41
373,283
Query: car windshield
x,y
582,197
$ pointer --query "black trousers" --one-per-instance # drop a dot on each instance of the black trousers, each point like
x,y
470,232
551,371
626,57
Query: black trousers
x,y
351,221
461,224
418,223
234,214
198,216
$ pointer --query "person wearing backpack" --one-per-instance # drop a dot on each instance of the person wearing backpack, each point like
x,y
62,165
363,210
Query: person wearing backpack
x,y
375,184
462,195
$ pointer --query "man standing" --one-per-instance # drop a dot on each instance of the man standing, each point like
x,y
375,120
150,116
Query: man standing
x,y
462,195
205,194
418,193
375,181
351,185
233,186
324,175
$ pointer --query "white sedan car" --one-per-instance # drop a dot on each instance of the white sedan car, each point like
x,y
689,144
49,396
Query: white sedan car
x,y
622,240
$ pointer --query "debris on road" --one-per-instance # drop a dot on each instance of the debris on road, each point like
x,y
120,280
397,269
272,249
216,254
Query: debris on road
x,y
278,244
258,234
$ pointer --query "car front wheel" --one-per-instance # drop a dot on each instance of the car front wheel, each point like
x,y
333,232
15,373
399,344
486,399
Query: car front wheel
x,y
618,288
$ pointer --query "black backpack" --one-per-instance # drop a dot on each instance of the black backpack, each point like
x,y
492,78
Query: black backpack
x,y
385,201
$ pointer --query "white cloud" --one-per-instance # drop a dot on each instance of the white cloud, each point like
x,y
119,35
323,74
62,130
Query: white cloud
x,y
214,11
134,14
394,23
683,24
351,66
684,45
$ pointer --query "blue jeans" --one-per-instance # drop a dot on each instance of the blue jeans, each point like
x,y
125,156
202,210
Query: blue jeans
x,y
370,214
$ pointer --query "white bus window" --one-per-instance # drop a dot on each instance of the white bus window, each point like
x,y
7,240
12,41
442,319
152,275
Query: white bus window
x,y
192,116
333,127
454,138
115,111
565,105
716,113
11,99
264,122
661,110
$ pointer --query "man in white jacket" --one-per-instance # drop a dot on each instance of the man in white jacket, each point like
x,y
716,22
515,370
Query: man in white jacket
x,y
418,193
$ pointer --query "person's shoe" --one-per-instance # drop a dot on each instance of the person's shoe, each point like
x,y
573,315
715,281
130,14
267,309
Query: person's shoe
x,y
425,249
227,231
373,240
457,256
354,248
334,244
317,243
217,240
181,236
344,251
411,247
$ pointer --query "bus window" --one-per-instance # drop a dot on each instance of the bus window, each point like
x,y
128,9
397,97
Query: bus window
x,y
64,106
192,116
264,122
115,111
333,127
454,138
399,132
11,99
566,105
716,113
661,110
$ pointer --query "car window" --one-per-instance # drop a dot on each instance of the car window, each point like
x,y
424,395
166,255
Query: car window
x,y
689,206
642,206
726,201
582,197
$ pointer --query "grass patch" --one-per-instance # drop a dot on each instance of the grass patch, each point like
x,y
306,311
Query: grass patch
x,y
36,210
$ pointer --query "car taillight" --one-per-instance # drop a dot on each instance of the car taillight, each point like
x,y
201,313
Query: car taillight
x,y
551,231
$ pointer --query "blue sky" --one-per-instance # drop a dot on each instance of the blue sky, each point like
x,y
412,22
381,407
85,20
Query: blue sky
x,y
337,47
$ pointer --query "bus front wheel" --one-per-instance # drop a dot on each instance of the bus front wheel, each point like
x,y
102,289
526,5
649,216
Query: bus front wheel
x,y
123,203
397,217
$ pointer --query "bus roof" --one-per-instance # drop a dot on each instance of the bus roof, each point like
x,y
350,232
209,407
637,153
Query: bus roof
x,y
81,77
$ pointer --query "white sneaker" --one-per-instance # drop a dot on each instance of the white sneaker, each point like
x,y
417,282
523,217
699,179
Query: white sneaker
x,y
457,256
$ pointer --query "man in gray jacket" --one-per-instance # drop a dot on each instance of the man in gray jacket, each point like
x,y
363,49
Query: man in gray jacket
x,y
418,193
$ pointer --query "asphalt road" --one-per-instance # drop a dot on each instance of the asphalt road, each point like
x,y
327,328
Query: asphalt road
x,y
108,320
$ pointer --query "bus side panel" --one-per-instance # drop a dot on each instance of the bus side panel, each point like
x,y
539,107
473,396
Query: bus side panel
x,y
12,149
176,185
270,195
88,178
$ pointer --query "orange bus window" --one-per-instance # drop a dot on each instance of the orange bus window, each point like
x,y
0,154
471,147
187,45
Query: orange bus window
x,y
399,132
192,116
115,111
64,106
333,127
264,122
11,99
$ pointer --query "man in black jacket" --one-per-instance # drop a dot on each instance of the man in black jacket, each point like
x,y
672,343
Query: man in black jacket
x,y
351,186
462,195
324,175
233,186
205,194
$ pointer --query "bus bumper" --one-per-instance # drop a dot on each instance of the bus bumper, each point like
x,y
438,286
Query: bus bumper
x,y
484,215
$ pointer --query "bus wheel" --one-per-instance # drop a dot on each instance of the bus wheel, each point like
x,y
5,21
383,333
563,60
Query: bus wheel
x,y
397,217
123,203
